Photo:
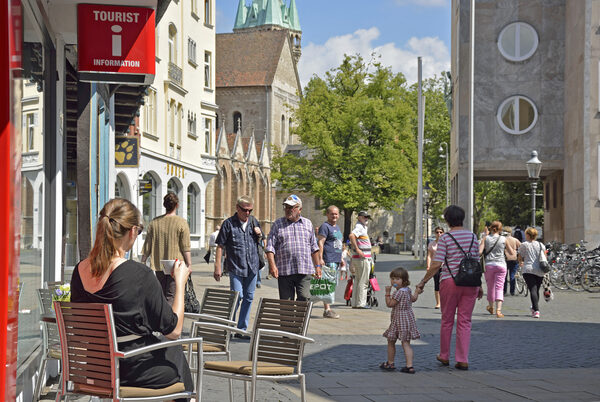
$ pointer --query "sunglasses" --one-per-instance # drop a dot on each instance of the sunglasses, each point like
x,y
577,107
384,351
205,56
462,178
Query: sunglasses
x,y
247,210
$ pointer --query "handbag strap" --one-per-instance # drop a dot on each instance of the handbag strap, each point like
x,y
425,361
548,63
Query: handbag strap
x,y
460,248
540,252
486,253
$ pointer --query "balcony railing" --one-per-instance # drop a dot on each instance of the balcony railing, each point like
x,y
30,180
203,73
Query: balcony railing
x,y
175,73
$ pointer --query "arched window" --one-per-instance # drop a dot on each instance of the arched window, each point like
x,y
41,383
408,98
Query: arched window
x,y
290,131
518,41
282,131
237,122
149,200
517,114
121,188
192,208
172,43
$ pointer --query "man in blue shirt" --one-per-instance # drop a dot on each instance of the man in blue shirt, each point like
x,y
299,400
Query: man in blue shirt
x,y
239,236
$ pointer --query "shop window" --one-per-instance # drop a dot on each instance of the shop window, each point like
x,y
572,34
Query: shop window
x,y
149,200
174,187
518,41
517,115
192,208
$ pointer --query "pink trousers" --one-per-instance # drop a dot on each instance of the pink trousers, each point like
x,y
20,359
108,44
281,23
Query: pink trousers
x,y
494,278
459,301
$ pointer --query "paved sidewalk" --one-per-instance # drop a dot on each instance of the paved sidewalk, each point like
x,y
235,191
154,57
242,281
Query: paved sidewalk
x,y
516,358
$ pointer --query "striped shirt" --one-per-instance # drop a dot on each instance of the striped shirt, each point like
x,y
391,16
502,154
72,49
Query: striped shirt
x,y
362,240
293,244
447,248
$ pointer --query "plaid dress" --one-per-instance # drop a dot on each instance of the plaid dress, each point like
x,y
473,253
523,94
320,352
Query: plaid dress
x,y
403,325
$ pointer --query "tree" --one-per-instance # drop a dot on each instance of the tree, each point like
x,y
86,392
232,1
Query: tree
x,y
356,126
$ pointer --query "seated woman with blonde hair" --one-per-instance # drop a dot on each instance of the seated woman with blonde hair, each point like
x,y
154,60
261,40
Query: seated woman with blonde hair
x,y
139,306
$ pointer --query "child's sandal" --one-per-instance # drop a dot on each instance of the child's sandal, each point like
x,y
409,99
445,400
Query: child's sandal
x,y
409,370
387,366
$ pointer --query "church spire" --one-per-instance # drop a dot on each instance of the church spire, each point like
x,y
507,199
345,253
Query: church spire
x,y
293,17
273,13
240,18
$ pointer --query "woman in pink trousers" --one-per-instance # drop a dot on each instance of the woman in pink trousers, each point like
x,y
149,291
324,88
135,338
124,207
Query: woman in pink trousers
x,y
492,246
456,301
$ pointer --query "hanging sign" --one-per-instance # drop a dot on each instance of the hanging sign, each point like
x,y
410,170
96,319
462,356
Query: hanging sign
x,y
115,43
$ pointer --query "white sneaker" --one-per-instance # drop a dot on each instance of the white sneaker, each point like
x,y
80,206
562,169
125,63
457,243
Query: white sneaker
x,y
330,314
536,314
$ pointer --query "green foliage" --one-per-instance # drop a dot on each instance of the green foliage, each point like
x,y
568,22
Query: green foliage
x,y
357,127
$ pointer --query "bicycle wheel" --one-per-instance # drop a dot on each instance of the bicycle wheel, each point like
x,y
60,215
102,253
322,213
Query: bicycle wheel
x,y
572,278
520,283
556,275
590,279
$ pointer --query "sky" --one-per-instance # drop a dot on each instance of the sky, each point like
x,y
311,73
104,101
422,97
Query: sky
x,y
397,30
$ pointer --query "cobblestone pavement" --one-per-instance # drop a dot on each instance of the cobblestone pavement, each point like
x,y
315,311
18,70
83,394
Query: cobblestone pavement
x,y
515,358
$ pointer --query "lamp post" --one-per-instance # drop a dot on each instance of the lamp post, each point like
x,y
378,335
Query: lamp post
x,y
534,167
426,200
445,156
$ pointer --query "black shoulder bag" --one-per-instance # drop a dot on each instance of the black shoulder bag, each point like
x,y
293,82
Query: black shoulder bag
x,y
261,252
469,269
190,301
544,266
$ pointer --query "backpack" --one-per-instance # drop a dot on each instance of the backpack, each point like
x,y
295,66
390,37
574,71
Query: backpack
x,y
469,269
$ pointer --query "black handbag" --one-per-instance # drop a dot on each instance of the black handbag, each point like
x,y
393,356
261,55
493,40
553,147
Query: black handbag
x,y
191,303
261,250
544,266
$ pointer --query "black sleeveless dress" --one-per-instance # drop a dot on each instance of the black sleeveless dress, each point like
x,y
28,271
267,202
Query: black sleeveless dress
x,y
139,308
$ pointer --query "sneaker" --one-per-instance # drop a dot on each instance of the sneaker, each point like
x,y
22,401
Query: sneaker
x,y
330,314
258,285
536,314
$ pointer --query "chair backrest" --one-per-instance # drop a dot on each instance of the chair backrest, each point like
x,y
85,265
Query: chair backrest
x,y
281,315
50,330
217,303
88,342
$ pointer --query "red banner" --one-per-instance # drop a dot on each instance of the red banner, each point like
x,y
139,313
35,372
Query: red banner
x,y
115,39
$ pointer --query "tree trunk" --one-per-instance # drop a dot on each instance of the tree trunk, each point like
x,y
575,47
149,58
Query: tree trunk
x,y
347,222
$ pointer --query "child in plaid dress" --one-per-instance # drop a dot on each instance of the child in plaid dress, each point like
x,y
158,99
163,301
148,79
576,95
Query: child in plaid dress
x,y
403,325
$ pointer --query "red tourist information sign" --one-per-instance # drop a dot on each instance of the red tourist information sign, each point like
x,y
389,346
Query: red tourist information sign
x,y
115,40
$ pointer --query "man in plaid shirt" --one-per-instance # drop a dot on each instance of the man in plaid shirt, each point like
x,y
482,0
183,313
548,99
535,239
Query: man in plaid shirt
x,y
293,252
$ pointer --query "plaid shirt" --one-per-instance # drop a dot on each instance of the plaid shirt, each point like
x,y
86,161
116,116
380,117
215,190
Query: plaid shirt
x,y
293,244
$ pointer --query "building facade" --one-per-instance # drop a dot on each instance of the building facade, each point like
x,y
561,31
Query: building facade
x,y
535,88
177,120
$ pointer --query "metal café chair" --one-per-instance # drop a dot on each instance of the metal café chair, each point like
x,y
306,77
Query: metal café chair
x,y
91,357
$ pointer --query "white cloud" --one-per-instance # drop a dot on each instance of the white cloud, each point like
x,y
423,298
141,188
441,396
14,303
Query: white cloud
x,y
317,59
423,3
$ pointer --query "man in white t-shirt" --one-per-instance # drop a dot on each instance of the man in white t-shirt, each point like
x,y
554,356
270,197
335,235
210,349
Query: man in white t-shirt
x,y
360,266
212,243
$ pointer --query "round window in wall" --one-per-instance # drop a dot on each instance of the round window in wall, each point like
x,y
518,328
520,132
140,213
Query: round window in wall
x,y
518,41
517,114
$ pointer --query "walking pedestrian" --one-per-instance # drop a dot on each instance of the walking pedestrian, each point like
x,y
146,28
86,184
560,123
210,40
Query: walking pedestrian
x,y
529,259
431,250
239,236
403,326
512,265
360,266
492,246
455,300
330,257
168,238
292,252
212,243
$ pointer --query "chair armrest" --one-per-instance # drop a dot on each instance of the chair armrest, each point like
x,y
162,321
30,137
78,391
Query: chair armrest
x,y
261,332
160,345
207,317
227,328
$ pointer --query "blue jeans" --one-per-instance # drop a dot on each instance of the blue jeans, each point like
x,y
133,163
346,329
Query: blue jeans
x,y
512,267
245,286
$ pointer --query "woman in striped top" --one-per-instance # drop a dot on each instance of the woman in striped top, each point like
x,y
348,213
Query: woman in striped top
x,y
456,301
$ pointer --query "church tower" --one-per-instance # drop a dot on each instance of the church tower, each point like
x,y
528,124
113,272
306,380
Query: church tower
x,y
270,15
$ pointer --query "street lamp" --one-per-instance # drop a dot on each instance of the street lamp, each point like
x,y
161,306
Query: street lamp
x,y
426,200
445,156
534,167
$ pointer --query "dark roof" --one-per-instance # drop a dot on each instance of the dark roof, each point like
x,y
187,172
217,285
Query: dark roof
x,y
246,59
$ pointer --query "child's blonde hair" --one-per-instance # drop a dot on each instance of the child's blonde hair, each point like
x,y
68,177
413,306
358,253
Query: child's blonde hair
x,y
400,273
